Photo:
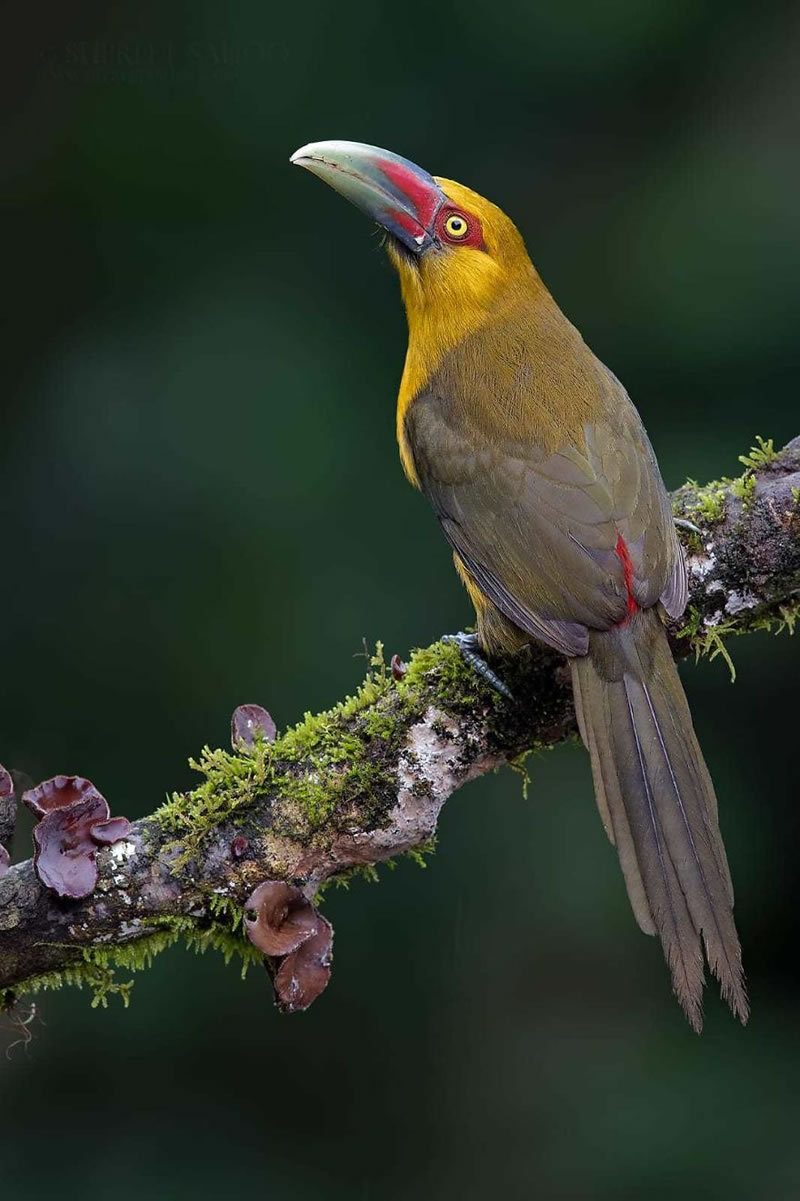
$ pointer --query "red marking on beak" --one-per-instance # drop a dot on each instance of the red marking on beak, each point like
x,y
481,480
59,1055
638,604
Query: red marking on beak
x,y
408,223
425,200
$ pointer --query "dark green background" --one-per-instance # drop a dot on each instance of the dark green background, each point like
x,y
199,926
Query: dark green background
x,y
201,505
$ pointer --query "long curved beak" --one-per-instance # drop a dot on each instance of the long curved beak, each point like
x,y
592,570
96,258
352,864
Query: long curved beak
x,y
397,194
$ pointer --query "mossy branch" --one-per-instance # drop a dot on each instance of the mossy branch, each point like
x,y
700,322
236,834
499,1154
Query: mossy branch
x,y
364,782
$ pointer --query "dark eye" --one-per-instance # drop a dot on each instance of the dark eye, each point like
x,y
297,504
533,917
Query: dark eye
x,y
456,227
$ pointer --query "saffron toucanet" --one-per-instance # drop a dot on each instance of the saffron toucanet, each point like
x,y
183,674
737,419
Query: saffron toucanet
x,y
545,484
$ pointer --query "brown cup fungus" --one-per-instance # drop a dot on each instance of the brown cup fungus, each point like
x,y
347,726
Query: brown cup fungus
x,y
282,922
73,821
249,723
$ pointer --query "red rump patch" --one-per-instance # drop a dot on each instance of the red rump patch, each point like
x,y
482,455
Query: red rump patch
x,y
624,556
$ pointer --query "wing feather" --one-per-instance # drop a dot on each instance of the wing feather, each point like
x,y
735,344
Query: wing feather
x,y
538,531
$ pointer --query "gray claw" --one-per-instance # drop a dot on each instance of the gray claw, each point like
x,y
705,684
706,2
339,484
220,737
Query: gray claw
x,y
469,646
685,524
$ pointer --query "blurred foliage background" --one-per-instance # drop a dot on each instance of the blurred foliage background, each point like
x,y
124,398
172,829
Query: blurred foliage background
x,y
201,505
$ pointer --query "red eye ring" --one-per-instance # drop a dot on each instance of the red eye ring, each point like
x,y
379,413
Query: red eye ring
x,y
454,227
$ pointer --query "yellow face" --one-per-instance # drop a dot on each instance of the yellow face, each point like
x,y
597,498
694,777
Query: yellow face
x,y
459,257
477,257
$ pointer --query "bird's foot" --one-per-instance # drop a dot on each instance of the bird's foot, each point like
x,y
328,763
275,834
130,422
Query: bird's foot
x,y
470,648
684,524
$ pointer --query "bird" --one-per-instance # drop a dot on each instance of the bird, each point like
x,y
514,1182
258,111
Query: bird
x,y
545,485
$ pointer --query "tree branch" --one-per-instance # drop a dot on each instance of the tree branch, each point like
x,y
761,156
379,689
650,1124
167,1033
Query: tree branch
x,y
366,781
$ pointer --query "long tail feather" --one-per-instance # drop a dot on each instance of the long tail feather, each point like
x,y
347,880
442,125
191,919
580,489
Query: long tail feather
x,y
658,806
